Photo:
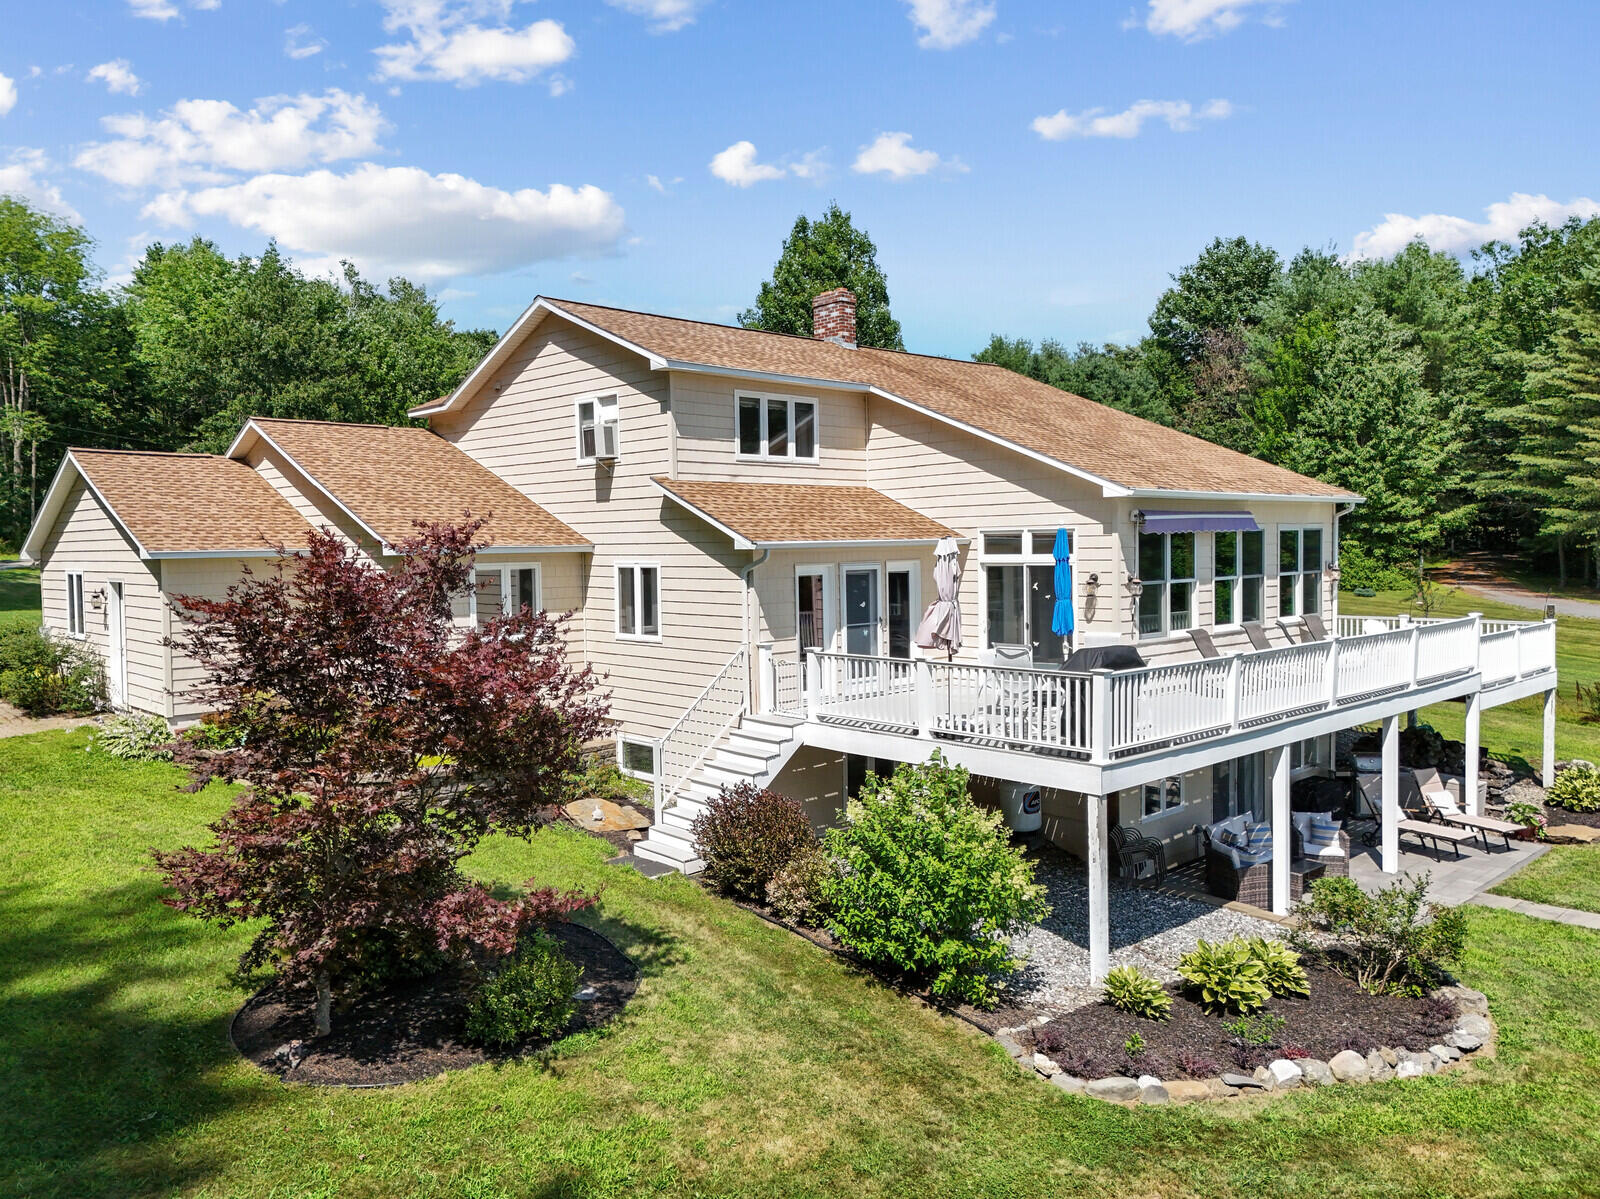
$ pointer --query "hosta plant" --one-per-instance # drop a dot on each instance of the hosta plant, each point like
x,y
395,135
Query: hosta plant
x,y
1280,967
1577,789
1129,989
1226,975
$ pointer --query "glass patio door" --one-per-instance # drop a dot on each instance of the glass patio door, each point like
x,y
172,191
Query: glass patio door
x,y
902,605
862,610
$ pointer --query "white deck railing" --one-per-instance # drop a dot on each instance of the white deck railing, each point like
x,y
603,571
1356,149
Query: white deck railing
x,y
1106,714
695,734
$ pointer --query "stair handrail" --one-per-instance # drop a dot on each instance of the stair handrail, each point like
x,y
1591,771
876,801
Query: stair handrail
x,y
666,792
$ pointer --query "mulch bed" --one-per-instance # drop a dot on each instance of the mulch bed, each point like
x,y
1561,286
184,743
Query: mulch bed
x,y
1561,816
1337,1015
413,1030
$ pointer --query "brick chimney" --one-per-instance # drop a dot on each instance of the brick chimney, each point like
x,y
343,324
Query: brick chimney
x,y
833,317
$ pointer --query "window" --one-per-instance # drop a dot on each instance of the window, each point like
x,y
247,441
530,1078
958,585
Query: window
x,y
1306,756
636,757
1160,797
776,427
597,428
638,600
1299,571
1020,592
1238,577
75,624
1166,568
499,591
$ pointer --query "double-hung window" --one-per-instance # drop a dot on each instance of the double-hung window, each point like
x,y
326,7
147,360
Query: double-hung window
x,y
1020,592
75,622
1299,571
1166,569
597,427
776,427
1160,797
638,600
1238,577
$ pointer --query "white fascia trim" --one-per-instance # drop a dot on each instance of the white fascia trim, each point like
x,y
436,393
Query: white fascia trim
x,y
256,552
383,546
740,541
44,509
492,360
885,542
1151,493
492,550
54,497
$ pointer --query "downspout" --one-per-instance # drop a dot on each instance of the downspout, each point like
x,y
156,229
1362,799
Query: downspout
x,y
748,576
1339,510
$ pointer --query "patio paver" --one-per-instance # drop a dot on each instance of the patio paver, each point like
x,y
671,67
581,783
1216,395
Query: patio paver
x,y
1544,911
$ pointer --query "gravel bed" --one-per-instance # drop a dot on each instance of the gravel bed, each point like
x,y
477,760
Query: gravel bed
x,y
1148,929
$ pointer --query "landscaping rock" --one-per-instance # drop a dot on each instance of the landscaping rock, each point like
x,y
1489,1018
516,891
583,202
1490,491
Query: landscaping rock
x,y
1466,999
1116,1089
1412,1065
1187,1090
1154,1091
1389,1055
1241,1081
1010,1044
1464,1041
1045,1065
1445,1053
1069,1083
1285,1075
1476,1025
1220,1089
1408,1069
1350,1066
1378,1067
1317,1073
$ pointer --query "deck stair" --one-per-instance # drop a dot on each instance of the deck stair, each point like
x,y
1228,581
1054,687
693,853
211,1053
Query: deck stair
x,y
754,751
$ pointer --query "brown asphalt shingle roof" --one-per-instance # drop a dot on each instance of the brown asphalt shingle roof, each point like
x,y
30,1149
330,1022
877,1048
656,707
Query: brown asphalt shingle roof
x,y
191,503
1112,445
788,513
389,477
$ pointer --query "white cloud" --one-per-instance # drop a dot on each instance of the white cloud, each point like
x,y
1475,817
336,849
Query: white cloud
x,y
945,24
666,16
300,42
166,10
448,44
1179,115
8,94
1193,20
893,155
198,140
118,77
1453,234
404,220
23,173
737,165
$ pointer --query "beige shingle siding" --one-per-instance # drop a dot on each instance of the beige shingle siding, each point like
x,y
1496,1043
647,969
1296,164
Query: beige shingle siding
x,y
704,409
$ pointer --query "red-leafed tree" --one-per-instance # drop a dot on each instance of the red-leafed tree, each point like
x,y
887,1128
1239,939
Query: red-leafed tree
x,y
379,743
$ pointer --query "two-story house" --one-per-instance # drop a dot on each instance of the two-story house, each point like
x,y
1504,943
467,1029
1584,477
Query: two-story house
x,y
745,526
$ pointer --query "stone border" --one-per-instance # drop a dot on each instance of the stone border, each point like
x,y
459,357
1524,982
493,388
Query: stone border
x,y
1474,1034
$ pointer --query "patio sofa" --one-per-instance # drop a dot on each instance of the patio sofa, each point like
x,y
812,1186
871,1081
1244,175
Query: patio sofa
x,y
1236,874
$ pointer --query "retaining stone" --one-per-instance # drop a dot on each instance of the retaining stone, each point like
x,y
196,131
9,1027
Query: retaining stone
x,y
1116,1089
1349,1066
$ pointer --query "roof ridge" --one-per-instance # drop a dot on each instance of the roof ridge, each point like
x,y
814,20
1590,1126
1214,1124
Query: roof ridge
x,y
347,424
93,449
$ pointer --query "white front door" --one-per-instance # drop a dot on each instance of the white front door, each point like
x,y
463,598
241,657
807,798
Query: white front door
x,y
863,609
116,647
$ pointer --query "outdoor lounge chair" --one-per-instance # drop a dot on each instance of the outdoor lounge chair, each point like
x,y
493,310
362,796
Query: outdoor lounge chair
x,y
1314,626
1133,848
1254,630
1203,643
1369,797
1442,805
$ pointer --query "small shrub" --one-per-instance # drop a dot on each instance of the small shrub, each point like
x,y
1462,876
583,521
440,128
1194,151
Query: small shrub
x,y
213,732
530,995
1280,967
747,835
1259,1028
1084,1063
930,883
1196,1064
1129,989
1294,1053
600,778
44,675
1436,1017
1134,1046
795,893
1246,1057
1530,816
1051,1039
1588,702
1225,974
1577,789
1356,1042
136,737
1393,941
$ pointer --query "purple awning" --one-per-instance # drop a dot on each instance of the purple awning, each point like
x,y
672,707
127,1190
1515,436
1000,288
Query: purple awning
x,y
1197,522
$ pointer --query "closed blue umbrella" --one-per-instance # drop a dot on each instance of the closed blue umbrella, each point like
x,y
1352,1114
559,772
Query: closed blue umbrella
x,y
1061,620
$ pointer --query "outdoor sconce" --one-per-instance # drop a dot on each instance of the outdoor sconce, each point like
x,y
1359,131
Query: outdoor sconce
x,y
97,598
1092,581
1136,587
1332,571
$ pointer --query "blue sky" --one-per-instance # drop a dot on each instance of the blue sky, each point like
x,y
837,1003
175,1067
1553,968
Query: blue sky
x,y
1032,168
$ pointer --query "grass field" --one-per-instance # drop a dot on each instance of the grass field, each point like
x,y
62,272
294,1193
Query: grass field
x,y
1513,731
19,597
749,1064
1567,876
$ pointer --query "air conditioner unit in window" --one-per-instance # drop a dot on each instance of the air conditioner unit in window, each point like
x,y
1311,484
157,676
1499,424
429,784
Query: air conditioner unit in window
x,y
606,437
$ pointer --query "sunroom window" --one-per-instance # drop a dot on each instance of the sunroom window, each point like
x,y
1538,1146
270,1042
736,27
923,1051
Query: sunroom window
x,y
1166,568
1238,577
1299,571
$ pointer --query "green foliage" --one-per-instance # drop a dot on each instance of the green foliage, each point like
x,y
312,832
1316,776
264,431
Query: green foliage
x,y
1393,941
530,995
601,779
797,892
214,732
929,882
135,736
1227,976
1222,289
748,834
44,675
817,257
1134,1046
1129,989
1360,567
1257,1028
1588,702
1281,970
1577,789
1530,816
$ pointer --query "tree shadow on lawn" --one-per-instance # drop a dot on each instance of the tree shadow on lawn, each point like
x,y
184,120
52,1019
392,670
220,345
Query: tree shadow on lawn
x,y
107,1048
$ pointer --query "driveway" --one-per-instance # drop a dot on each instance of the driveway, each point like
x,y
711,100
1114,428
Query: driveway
x,y
1479,577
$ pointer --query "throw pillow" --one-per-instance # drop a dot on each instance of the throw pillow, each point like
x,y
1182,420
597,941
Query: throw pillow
x,y
1259,838
1324,832
1223,835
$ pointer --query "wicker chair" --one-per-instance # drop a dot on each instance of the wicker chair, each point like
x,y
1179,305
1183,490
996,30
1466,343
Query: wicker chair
x,y
1332,867
1246,882
1131,848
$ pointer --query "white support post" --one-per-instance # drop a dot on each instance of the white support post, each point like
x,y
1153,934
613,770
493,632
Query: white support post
x,y
1099,890
1469,781
1235,670
767,671
1389,857
1331,683
813,684
922,674
1100,716
1282,836
1547,762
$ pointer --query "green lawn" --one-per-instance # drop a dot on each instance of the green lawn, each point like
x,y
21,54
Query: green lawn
x,y
1513,731
750,1063
1567,876
19,597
